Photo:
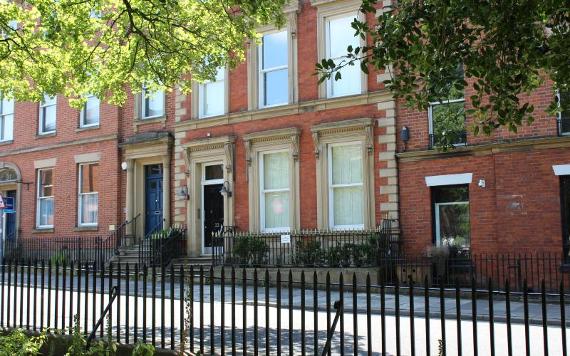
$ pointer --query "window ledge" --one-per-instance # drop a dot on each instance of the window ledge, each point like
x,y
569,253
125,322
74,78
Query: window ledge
x,y
88,128
154,120
86,228
40,230
47,134
7,142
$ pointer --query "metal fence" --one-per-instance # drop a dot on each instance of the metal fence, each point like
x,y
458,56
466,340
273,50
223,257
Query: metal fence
x,y
78,249
309,248
162,245
229,311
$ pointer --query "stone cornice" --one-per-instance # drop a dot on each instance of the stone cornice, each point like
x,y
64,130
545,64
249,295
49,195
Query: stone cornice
x,y
203,144
84,141
488,149
286,110
271,135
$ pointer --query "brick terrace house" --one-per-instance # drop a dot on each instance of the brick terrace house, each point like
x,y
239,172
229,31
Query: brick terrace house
x,y
289,153
504,193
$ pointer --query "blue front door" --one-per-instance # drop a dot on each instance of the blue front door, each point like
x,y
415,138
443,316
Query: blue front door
x,y
11,218
153,198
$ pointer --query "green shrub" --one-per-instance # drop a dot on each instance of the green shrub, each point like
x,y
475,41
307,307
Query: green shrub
x,y
250,250
18,343
308,252
339,256
59,258
142,349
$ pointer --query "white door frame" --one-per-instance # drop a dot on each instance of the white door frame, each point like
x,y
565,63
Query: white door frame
x,y
203,182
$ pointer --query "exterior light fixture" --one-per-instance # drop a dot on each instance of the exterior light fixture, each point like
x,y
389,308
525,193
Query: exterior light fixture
x,y
226,191
405,134
124,166
183,193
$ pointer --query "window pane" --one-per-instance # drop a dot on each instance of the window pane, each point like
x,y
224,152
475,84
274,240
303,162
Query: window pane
x,y
341,35
346,164
89,208
276,87
350,84
348,205
214,172
49,113
49,100
91,111
274,50
89,178
154,105
276,170
565,115
213,98
7,106
454,227
46,183
450,194
276,210
448,123
8,128
46,211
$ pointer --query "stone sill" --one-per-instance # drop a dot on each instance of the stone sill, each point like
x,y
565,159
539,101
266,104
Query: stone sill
x,y
44,135
43,231
89,128
5,143
86,228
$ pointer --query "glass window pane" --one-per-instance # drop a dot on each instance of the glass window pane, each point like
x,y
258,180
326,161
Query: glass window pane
x,y
7,128
276,87
89,178
276,170
91,111
274,50
450,194
350,84
49,113
565,114
454,227
346,164
213,98
48,100
214,172
448,120
154,104
341,35
276,210
89,208
46,211
348,206
7,106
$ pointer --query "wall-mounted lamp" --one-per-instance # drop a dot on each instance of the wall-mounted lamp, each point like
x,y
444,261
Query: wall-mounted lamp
x,y
183,192
405,134
124,166
226,191
481,183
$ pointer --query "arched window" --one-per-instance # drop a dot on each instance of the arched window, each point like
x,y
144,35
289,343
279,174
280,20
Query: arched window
x,y
8,175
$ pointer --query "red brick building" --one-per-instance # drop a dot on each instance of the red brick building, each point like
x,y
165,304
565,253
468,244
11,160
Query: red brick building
x,y
287,153
504,193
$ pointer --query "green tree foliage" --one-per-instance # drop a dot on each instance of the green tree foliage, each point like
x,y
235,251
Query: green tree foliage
x,y
508,49
104,47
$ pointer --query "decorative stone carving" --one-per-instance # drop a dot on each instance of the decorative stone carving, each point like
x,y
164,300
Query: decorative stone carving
x,y
317,144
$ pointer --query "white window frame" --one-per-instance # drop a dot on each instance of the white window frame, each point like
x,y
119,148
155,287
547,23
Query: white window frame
x,y
3,121
261,71
263,191
202,96
437,225
39,198
144,99
83,114
326,42
43,107
80,196
332,186
430,114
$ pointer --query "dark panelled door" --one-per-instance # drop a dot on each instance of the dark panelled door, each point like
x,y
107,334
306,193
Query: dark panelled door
x,y
213,214
153,197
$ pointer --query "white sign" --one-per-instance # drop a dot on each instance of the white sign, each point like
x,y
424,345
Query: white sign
x,y
285,239
2,205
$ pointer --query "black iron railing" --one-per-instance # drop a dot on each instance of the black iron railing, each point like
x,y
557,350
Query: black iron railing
x,y
281,312
314,248
128,230
79,249
161,245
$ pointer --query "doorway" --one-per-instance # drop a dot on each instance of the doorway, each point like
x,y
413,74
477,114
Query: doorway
x,y
212,204
153,198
